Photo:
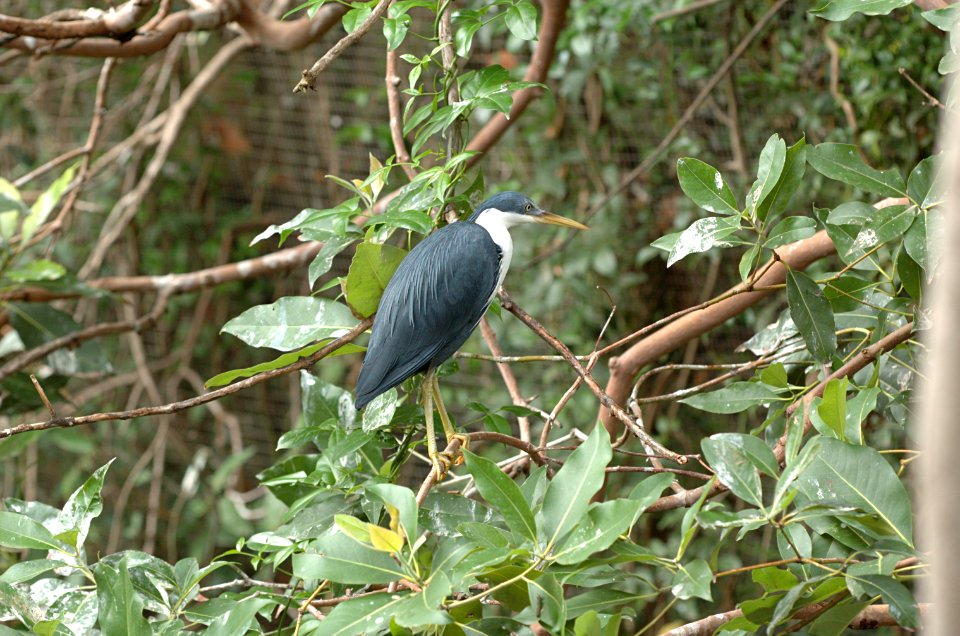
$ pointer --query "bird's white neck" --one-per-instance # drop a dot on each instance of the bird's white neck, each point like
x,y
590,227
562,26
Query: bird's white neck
x,y
497,223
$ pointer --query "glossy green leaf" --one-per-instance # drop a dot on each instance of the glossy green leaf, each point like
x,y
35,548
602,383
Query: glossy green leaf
x,y
733,398
344,560
703,235
238,618
303,435
705,186
909,274
370,270
84,505
404,501
353,18
38,270
886,224
21,532
569,492
521,19
395,30
833,407
903,607
733,468
774,579
790,229
603,598
120,607
812,314
858,407
503,494
291,322
921,240
770,169
859,477
851,213
693,580
321,401
842,162
323,261
222,379
379,412
837,10
27,570
603,524
835,620
547,593
794,167
46,203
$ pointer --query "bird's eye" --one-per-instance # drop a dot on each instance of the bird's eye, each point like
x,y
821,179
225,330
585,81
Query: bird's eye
x,y
529,208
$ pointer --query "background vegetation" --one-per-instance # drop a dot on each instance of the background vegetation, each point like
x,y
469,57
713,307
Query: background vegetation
x,y
172,459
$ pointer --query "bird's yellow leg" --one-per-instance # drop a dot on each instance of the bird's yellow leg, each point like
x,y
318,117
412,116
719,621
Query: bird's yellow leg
x,y
448,430
441,462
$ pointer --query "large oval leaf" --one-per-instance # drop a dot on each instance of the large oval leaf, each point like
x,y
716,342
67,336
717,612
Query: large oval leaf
x,y
859,477
812,314
291,322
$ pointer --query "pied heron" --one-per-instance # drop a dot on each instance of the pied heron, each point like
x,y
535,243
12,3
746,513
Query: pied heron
x,y
435,299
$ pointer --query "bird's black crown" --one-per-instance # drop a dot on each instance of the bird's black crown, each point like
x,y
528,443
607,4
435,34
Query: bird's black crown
x,y
508,201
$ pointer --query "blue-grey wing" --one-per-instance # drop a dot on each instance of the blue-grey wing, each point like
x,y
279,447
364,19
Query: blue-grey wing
x,y
430,306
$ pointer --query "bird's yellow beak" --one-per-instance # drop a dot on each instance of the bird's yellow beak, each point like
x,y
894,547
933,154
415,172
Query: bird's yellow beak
x,y
556,219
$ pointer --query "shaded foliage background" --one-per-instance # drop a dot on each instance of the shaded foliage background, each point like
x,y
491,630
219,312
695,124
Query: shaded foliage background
x,y
252,154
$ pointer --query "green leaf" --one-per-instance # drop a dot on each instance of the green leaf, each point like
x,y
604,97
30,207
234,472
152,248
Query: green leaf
x,y
770,169
27,570
522,20
774,579
323,261
693,581
903,607
923,184
858,407
568,494
421,608
833,407
812,315
703,235
415,220
602,598
302,435
837,10
379,412
291,323
733,468
859,477
344,560
468,23
37,323
36,271
842,162
920,240
282,360
749,261
238,618
649,489
364,615
84,505
733,398
887,224
120,607
353,18
706,187
790,229
851,213
835,620
370,270
46,203
395,30
21,532
547,592
794,167
403,500
604,523
321,401
503,494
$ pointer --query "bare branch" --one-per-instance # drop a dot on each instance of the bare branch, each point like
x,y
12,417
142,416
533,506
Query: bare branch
x,y
310,75
174,407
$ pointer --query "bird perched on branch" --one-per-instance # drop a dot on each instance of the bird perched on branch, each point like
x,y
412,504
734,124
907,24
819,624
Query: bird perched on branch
x,y
435,299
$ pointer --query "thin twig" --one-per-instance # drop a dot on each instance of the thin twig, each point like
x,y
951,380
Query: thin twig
x,y
43,396
310,75
173,407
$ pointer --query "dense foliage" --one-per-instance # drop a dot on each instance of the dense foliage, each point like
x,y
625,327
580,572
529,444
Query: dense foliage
x,y
802,498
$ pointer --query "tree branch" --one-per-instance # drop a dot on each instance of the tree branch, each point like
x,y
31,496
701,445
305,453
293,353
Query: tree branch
x,y
173,407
